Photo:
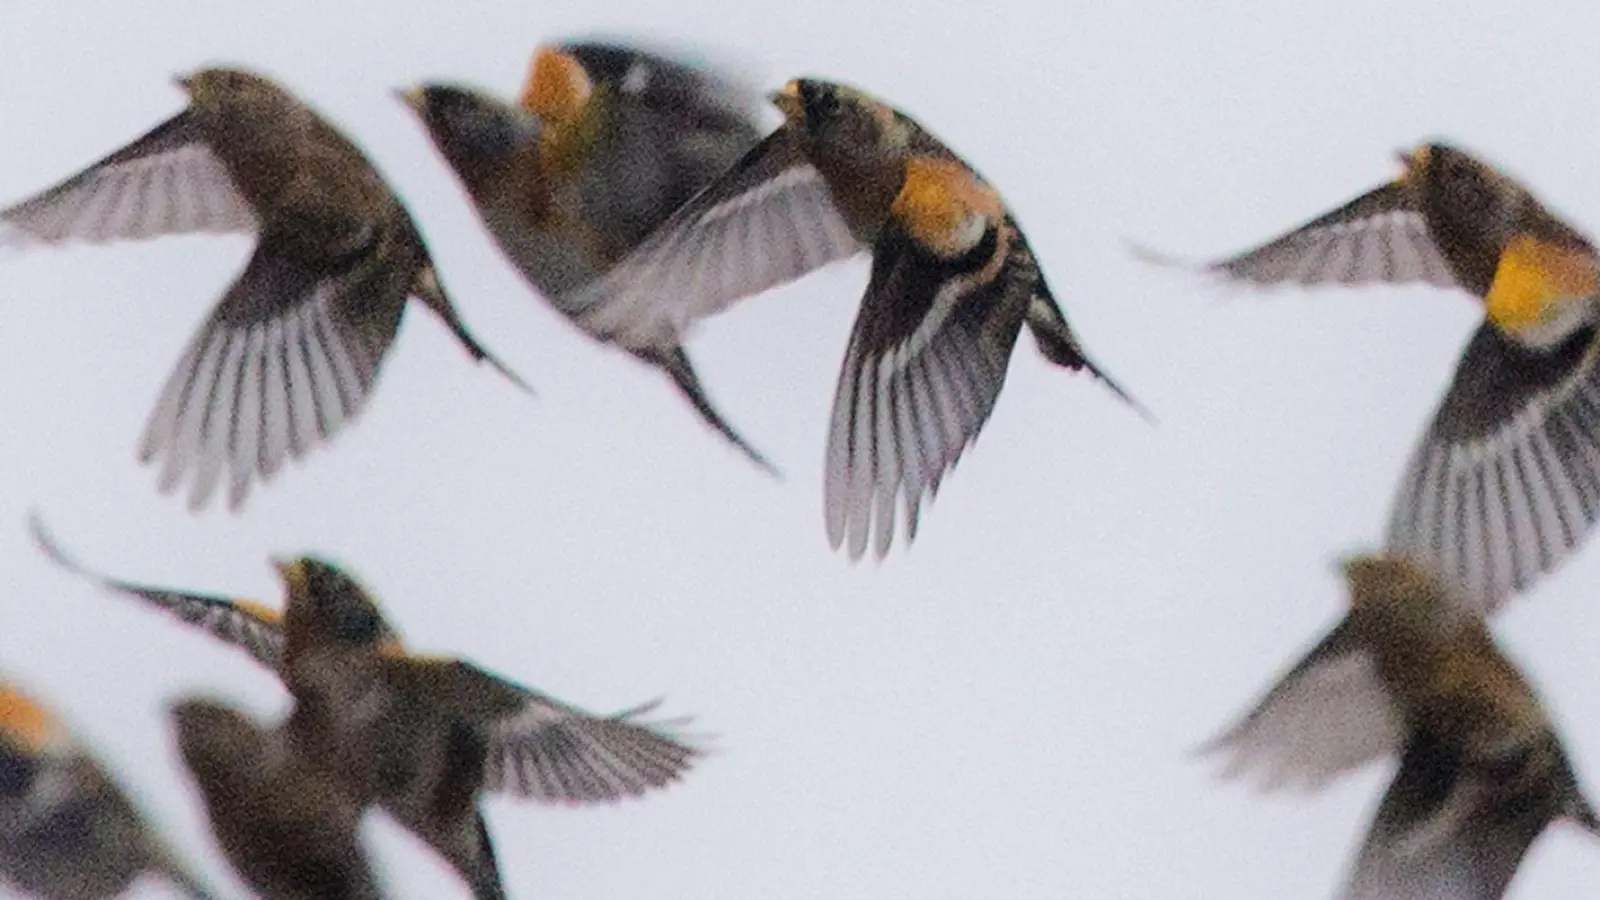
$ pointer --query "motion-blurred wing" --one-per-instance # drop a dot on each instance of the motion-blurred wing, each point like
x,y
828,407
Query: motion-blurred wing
x,y
766,222
255,628
166,182
1329,715
1506,483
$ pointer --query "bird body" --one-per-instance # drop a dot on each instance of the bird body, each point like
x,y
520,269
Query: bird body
x,y
1505,483
420,736
292,351
953,284
607,142
1416,672
67,832
289,829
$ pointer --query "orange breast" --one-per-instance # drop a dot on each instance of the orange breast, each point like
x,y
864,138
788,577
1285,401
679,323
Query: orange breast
x,y
28,724
944,206
1537,283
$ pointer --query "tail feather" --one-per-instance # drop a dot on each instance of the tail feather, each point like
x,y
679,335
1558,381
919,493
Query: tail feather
x,y
1579,810
486,880
675,362
1059,345
431,293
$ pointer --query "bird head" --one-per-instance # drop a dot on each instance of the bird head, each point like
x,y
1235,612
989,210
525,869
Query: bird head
x,y
1465,192
221,91
844,121
468,126
1404,595
327,608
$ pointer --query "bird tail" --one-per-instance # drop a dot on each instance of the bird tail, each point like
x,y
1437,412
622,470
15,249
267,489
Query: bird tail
x,y
431,293
486,881
1058,344
675,362
1578,809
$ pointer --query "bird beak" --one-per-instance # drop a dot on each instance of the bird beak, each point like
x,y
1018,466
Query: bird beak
x,y
183,82
788,101
292,572
412,97
1413,161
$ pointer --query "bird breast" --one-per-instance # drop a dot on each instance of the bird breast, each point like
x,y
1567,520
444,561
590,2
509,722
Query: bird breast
x,y
944,206
1541,291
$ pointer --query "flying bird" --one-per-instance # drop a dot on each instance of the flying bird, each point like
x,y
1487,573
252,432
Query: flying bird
x,y
1505,483
466,731
605,142
1413,672
291,353
287,827
953,283
67,832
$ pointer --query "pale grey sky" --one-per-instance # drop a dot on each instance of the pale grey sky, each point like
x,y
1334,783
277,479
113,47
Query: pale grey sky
x,y
1007,709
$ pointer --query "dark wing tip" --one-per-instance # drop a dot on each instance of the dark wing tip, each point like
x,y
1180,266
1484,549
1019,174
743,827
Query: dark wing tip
x,y
1122,393
45,540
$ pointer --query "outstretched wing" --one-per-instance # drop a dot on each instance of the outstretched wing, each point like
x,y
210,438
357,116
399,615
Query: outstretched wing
x,y
1329,715
1379,237
288,358
1505,484
546,750
255,628
766,222
926,361
166,182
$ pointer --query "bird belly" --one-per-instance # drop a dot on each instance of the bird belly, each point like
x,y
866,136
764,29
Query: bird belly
x,y
1541,293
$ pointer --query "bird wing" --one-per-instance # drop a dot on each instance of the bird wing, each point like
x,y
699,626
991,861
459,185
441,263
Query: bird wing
x,y
926,361
546,750
766,222
254,628
166,182
667,131
1379,237
1446,829
288,357
1506,482
1329,715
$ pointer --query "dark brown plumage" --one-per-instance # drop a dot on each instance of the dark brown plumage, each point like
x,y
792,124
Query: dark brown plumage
x,y
67,831
291,353
1413,671
1505,484
607,142
953,284
288,828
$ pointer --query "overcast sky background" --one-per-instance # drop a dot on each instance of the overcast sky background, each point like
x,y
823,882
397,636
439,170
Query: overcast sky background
x,y
1006,710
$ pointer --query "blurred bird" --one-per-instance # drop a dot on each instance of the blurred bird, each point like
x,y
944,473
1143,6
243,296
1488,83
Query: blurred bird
x,y
1414,669
953,283
462,729
1505,483
67,832
287,828
607,142
292,351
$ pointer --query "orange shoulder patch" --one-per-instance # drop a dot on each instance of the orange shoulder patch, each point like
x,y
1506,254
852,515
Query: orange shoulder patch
x,y
28,724
260,612
557,88
1538,285
944,205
